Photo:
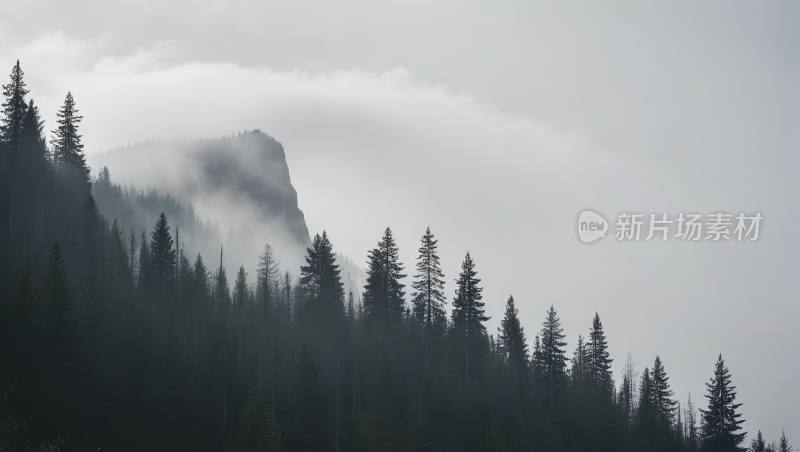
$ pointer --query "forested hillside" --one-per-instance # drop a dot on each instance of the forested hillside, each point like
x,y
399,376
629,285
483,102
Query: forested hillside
x,y
118,340
240,181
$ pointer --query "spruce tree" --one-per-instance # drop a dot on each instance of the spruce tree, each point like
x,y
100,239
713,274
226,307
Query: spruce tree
x,y
468,309
267,274
721,421
14,111
553,356
162,255
67,147
599,362
428,297
783,445
32,154
580,364
222,295
240,290
757,444
690,429
321,282
383,293
663,404
512,340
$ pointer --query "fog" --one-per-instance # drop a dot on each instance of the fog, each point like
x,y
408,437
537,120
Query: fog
x,y
495,143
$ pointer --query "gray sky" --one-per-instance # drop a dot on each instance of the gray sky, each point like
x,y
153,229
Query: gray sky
x,y
493,123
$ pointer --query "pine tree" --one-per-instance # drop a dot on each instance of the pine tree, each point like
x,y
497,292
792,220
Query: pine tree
x,y
553,356
32,155
428,296
468,309
512,340
646,413
691,437
14,112
383,293
663,404
240,290
162,255
67,147
721,422
628,389
599,363
267,274
757,444
222,295
580,364
321,283
783,445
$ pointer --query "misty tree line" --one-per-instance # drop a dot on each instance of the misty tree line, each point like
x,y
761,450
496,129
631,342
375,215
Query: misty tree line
x,y
131,342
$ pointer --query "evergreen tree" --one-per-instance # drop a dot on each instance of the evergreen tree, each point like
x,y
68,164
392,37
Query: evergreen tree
x,y
757,444
321,283
553,356
67,147
468,309
383,293
691,436
14,111
599,362
32,155
222,295
267,274
162,255
240,291
580,364
428,296
512,340
721,421
783,445
663,404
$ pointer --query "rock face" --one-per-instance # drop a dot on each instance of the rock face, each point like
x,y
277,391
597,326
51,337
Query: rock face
x,y
240,182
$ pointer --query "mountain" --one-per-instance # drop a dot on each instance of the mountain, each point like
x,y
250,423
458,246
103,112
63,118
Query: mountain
x,y
236,188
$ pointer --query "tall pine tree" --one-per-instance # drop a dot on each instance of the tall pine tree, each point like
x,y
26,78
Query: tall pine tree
x,y
512,341
468,309
162,256
267,274
428,296
14,111
66,142
553,357
321,282
721,421
599,361
383,293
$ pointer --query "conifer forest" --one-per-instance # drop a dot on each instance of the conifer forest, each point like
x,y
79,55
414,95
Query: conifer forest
x,y
119,339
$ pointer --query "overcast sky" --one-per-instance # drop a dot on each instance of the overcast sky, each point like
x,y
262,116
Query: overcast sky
x,y
493,123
